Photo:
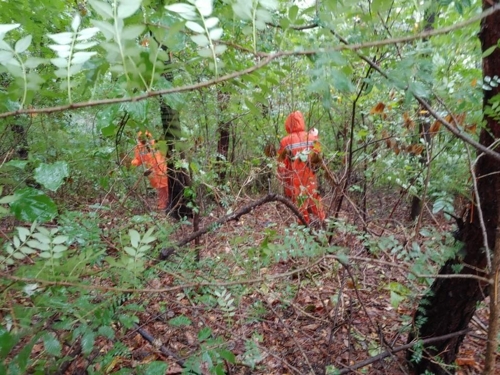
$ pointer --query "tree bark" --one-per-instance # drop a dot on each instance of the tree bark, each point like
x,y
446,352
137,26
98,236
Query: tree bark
x,y
178,179
450,303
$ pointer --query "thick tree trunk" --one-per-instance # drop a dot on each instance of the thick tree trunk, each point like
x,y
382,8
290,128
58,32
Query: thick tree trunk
x,y
450,304
178,179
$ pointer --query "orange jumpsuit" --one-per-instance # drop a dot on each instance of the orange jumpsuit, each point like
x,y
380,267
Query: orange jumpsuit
x,y
155,162
294,171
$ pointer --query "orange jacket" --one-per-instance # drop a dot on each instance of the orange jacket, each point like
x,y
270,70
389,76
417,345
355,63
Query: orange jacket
x,y
152,159
293,155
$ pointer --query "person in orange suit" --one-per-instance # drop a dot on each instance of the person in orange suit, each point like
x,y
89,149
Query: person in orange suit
x,y
156,166
295,170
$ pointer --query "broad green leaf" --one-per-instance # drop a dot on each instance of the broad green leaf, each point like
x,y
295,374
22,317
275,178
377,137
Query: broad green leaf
x,y
59,62
204,333
132,32
61,49
102,8
88,33
210,22
75,24
341,82
86,45
130,251
32,204
5,56
155,368
51,344
200,39
180,321
4,45
23,233
128,8
227,355
16,241
205,7
59,248
27,250
186,11
59,240
5,28
62,38
205,52
34,244
23,44
7,341
82,57
52,176
489,51
196,27
219,49
215,34
8,199
106,28
87,342
18,255
135,238
293,11
33,62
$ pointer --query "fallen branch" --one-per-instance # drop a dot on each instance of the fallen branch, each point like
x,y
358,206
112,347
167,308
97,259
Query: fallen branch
x,y
165,253
388,353
157,344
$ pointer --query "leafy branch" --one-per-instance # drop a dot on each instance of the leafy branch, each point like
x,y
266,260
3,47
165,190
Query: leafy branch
x,y
206,31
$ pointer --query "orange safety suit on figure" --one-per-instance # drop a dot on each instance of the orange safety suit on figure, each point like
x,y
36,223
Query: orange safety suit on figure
x,y
156,166
294,168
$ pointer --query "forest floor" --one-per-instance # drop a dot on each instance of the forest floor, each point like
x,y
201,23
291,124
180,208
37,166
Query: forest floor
x,y
300,315
323,315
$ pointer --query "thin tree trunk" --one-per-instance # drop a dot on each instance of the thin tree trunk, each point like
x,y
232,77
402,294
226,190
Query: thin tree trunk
x,y
450,303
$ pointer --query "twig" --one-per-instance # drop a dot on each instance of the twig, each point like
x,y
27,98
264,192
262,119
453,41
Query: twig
x,y
165,253
398,349
157,344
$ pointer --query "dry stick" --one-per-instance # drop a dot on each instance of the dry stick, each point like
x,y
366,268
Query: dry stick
x,y
165,253
157,344
388,353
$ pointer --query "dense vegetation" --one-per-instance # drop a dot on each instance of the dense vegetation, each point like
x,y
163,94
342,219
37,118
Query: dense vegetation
x,y
397,92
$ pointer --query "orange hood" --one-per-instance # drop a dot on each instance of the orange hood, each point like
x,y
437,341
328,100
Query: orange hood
x,y
295,123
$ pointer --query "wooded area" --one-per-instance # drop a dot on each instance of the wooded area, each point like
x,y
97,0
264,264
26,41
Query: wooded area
x,y
98,98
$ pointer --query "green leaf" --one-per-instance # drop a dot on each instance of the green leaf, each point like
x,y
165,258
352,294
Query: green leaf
x,y
8,199
489,51
23,233
128,8
204,333
51,344
205,7
103,9
200,39
5,28
196,27
186,11
180,321
227,355
341,82
52,176
32,204
132,32
62,39
88,340
106,331
135,238
59,240
130,251
7,342
155,368
293,11
23,44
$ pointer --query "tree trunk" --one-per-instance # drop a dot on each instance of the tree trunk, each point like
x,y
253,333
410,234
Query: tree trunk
x,y
223,131
178,179
450,303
